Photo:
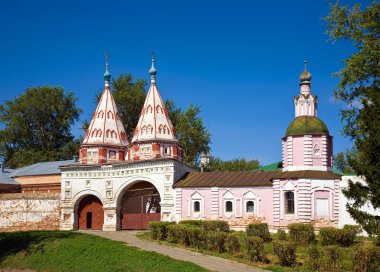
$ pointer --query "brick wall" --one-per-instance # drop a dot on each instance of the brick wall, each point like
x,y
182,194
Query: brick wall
x,y
34,211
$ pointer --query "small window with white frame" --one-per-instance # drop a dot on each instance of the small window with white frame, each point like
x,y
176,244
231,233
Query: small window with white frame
x,y
250,206
229,206
196,206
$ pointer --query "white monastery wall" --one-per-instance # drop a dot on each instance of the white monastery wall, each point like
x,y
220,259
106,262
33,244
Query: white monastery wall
x,y
37,211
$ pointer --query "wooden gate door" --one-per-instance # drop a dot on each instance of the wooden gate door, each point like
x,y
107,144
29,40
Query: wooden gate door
x,y
139,209
90,213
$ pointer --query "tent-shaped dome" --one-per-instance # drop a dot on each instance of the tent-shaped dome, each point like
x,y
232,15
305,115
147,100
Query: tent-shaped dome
x,y
306,125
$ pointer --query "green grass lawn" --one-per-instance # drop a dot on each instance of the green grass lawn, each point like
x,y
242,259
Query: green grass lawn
x,y
70,251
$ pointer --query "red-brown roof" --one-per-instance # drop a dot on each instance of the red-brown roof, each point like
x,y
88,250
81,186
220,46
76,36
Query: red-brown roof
x,y
226,179
246,178
307,174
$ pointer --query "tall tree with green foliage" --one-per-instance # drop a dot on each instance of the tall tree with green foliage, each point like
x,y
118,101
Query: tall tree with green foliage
x,y
340,162
37,126
359,88
217,164
190,131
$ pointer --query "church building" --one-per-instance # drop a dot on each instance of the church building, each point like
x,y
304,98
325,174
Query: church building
x,y
120,183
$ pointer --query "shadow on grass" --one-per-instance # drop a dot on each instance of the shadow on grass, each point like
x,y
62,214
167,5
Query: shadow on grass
x,y
13,242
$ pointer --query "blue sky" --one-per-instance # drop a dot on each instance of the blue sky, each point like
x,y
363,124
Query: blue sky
x,y
239,60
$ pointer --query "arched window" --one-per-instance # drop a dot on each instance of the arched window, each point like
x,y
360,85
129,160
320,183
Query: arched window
x,y
317,151
100,114
149,109
250,207
160,129
143,130
158,109
149,129
99,133
108,132
197,206
289,202
165,129
114,134
229,206
110,115
93,133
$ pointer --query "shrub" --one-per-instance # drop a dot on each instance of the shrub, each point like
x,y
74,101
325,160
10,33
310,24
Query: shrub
x,y
313,257
255,249
216,225
354,229
286,252
172,234
215,240
196,223
232,244
281,234
343,237
158,230
331,260
208,225
366,259
196,237
301,233
377,241
260,230
179,234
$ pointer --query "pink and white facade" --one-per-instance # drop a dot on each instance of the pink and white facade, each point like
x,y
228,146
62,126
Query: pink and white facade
x,y
305,191
111,169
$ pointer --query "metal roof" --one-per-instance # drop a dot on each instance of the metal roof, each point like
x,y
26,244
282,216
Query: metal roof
x,y
226,179
6,179
277,166
41,168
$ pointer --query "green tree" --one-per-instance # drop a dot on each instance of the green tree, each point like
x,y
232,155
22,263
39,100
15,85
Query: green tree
x,y
36,126
129,97
359,89
191,132
232,165
341,162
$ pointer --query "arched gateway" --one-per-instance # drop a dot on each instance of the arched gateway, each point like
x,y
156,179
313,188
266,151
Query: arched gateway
x,y
139,205
90,213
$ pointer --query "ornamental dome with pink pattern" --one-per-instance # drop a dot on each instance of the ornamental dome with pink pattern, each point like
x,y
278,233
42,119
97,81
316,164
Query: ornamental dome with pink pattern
x,y
105,139
154,136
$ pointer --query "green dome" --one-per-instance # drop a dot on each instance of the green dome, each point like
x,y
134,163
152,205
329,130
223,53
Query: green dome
x,y
306,125
107,76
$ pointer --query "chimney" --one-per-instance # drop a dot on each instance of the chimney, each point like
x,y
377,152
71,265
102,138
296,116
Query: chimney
x,y
75,158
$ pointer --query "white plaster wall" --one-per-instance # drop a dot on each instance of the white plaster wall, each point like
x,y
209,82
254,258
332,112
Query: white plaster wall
x,y
344,217
36,211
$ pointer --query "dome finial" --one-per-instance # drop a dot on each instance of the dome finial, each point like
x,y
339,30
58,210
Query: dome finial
x,y
152,70
305,76
107,75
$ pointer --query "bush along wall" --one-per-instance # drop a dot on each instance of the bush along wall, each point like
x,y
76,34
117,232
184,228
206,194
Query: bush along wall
x,y
259,230
301,233
324,254
344,237
286,252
